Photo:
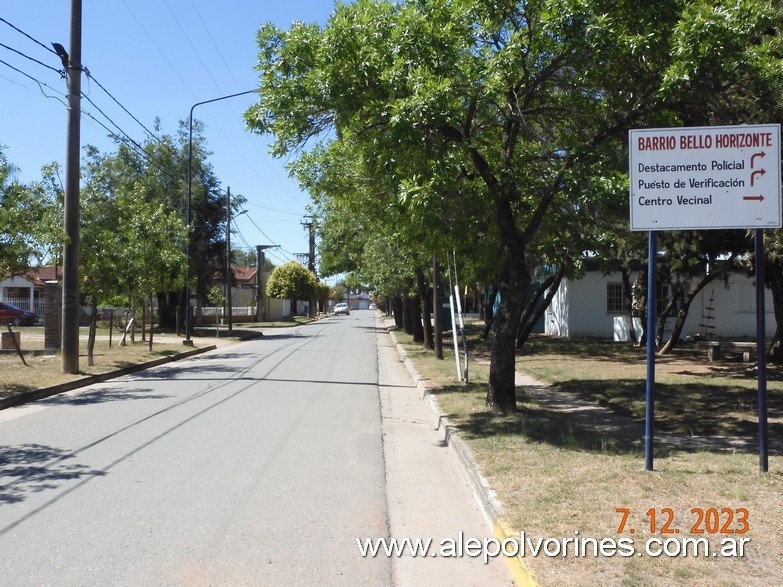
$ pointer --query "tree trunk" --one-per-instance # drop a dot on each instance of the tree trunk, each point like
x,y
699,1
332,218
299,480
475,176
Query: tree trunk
x,y
397,310
501,393
152,324
416,325
667,311
91,334
682,313
426,308
774,274
489,310
533,313
437,303
144,322
407,324
167,309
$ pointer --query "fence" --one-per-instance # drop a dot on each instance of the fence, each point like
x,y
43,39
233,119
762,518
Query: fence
x,y
210,314
36,306
235,311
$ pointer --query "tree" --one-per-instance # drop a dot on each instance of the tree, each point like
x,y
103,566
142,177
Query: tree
x,y
133,244
291,281
322,293
30,216
496,102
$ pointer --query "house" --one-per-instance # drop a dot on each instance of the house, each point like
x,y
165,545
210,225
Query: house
x,y
595,306
26,291
358,301
245,302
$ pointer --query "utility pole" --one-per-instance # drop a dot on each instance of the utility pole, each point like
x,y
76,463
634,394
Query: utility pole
x,y
229,275
260,316
70,302
311,255
310,225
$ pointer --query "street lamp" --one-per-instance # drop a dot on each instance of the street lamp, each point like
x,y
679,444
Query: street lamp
x,y
188,320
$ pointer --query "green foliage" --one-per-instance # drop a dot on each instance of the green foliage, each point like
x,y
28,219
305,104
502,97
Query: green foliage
x,y
132,242
30,219
291,281
216,297
322,292
496,129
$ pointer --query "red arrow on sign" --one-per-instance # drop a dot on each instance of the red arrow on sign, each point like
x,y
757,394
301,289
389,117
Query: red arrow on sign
x,y
758,198
754,174
761,154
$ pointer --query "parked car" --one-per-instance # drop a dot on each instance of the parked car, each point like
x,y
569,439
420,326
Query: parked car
x,y
372,307
10,314
341,308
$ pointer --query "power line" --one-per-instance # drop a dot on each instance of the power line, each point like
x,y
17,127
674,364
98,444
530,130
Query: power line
x,y
274,210
107,117
242,237
33,59
41,84
18,30
152,134
192,46
214,44
266,236
240,152
165,58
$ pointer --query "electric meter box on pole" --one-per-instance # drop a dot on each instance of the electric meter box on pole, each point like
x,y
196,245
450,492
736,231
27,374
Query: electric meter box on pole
x,y
700,178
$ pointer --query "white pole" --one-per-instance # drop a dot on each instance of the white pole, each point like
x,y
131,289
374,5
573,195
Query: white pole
x,y
454,335
462,329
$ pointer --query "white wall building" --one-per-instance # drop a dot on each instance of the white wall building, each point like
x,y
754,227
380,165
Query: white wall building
x,y
589,307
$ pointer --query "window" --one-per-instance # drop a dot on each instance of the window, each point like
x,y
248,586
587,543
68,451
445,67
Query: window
x,y
615,300
663,294
747,299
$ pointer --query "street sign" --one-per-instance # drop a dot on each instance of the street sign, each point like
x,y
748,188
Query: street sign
x,y
705,177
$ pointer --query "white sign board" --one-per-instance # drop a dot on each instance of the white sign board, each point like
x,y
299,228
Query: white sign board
x,y
705,177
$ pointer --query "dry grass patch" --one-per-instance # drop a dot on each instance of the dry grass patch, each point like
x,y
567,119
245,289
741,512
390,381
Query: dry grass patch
x,y
45,371
555,479
693,396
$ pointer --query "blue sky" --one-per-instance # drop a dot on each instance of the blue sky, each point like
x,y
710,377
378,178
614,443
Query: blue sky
x,y
157,58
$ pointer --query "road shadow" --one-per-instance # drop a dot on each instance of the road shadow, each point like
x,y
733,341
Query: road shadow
x,y
221,356
240,333
98,396
32,468
375,329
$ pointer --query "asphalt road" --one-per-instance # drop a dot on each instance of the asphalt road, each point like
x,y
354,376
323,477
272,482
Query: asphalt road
x,y
258,464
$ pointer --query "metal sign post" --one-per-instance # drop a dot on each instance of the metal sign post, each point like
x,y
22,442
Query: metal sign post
x,y
761,350
649,408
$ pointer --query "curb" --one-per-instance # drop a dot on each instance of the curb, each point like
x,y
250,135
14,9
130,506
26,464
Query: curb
x,y
485,497
36,394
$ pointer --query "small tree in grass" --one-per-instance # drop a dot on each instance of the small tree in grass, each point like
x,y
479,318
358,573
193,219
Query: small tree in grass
x,y
291,281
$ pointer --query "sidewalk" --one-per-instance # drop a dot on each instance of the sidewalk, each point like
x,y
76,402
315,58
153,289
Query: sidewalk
x,y
428,495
